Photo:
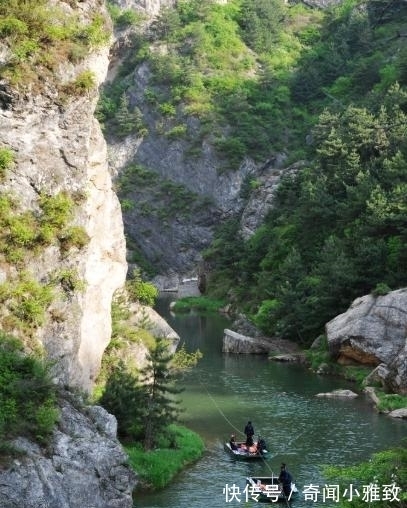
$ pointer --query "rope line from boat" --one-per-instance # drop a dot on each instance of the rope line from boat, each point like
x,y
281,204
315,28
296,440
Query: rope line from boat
x,y
240,432
220,410
285,497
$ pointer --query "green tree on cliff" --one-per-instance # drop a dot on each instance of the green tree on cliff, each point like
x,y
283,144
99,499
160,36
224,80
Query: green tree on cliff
x,y
160,407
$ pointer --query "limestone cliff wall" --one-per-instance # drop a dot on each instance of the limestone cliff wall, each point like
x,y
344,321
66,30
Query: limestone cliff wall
x,y
59,147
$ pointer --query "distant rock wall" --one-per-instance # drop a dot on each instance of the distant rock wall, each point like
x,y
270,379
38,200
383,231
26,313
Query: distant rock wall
x,y
173,242
321,4
373,331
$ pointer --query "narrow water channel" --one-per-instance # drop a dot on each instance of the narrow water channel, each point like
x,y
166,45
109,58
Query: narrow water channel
x,y
306,432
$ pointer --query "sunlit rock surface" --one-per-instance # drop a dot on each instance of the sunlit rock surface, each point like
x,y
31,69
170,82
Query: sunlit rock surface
x,y
372,332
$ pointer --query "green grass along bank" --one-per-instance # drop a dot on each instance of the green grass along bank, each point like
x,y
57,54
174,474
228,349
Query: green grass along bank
x,y
156,468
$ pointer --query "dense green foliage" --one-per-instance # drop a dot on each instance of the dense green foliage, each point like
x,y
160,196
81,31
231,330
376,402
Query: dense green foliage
x,y
391,401
144,402
388,468
140,291
199,303
27,395
338,228
210,70
157,468
40,35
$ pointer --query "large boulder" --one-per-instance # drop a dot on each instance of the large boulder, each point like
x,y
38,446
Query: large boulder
x,y
234,342
372,332
83,466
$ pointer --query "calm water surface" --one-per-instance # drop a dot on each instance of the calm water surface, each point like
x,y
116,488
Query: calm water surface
x,y
306,432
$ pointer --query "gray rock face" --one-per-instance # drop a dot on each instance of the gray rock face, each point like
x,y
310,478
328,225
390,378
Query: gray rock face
x,y
261,198
321,4
150,7
372,332
399,413
85,466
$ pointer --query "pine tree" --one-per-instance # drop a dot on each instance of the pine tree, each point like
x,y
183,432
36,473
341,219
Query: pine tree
x,y
124,397
129,120
160,407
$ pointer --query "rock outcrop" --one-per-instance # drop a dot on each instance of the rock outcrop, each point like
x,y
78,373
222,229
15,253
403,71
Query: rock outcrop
x,y
399,413
321,4
261,200
373,332
84,465
149,7
59,150
234,342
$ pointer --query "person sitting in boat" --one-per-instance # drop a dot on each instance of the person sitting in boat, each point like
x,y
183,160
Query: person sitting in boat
x,y
285,479
232,442
249,431
260,485
261,445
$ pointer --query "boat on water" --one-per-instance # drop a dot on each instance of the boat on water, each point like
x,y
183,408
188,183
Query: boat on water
x,y
242,452
268,489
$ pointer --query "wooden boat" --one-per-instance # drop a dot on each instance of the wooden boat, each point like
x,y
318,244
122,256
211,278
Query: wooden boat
x,y
246,453
267,489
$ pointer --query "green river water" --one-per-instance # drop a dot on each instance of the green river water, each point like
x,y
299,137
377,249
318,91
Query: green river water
x,y
225,391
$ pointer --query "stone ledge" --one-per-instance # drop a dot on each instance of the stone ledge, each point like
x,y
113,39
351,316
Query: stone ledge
x,y
234,342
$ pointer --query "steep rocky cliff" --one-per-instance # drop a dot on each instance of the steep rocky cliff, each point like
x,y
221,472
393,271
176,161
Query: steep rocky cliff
x,y
59,148
62,255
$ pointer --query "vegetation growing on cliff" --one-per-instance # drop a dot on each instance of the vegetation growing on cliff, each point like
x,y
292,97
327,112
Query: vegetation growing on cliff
x,y
325,86
27,396
6,161
156,196
24,235
38,36
223,64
